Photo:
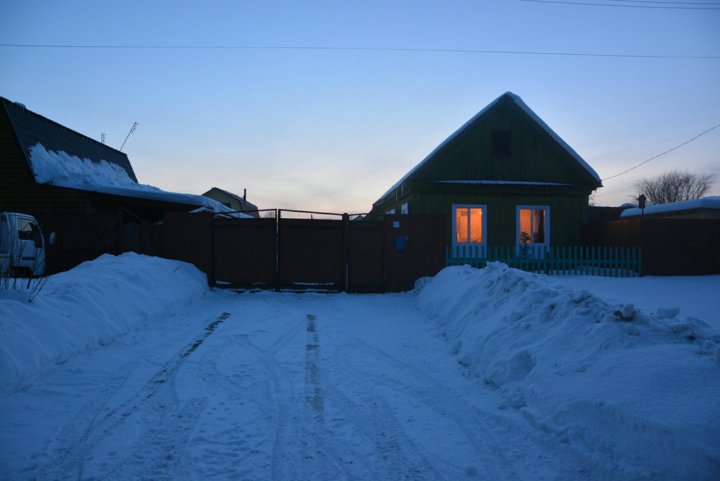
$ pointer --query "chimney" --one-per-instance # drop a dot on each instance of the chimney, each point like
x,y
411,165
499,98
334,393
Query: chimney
x,y
244,194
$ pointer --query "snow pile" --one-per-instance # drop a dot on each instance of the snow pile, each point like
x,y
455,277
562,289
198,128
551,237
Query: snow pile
x,y
637,392
65,170
89,306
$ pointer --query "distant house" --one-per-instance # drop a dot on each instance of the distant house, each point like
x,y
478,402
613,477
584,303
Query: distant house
x,y
232,201
502,179
705,208
82,189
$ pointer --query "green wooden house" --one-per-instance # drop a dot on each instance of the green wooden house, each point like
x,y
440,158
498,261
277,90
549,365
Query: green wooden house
x,y
502,179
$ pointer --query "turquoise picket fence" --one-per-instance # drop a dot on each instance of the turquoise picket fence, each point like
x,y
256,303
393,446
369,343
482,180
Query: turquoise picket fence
x,y
553,260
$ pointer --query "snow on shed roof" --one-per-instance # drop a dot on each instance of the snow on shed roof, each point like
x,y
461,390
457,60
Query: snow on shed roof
x,y
712,202
520,103
31,129
65,170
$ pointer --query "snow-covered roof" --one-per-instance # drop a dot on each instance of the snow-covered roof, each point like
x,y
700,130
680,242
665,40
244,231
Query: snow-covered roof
x,y
501,182
552,134
712,202
64,170
31,128
519,102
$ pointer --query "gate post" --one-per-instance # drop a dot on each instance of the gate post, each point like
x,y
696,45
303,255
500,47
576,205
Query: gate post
x,y
345,252
278,214
212,250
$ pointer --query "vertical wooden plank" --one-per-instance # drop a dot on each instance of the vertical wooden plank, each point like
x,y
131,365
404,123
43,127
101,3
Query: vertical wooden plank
x,y
605,260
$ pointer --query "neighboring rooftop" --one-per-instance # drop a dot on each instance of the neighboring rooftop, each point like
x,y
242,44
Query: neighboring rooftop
x,y
706,203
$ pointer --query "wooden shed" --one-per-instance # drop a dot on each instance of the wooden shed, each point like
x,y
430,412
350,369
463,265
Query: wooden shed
x,y
82,189
504,178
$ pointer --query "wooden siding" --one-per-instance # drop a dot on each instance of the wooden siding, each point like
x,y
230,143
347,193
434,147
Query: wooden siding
x,y
18,189
567,212
552,175
534,156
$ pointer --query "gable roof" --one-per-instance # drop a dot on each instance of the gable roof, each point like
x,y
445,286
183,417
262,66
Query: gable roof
x,y
32,129
480,115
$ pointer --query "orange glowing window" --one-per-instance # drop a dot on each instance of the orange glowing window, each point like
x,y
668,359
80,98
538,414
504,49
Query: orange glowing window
x,y
469,224
533,225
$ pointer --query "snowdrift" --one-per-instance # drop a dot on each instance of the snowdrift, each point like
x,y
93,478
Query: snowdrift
x,y
89,306
636,391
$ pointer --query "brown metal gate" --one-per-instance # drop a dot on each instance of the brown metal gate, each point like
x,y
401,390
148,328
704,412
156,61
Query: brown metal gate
x,y
309,254
244,252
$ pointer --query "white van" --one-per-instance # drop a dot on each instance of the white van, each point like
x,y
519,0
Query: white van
x,y
22,247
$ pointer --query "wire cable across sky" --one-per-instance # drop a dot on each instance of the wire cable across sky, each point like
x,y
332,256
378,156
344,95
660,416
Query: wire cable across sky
x,y
663,153
357,49
636,4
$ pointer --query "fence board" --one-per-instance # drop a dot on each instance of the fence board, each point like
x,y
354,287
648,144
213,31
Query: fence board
x,y
556,260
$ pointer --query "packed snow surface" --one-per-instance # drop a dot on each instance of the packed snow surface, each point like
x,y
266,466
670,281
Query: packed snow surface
x,y
489,374
690,296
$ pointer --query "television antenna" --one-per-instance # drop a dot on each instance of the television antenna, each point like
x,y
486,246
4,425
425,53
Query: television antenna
x,y
132,131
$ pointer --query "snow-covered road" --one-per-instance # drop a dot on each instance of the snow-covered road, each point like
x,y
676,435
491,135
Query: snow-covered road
x,y
276,386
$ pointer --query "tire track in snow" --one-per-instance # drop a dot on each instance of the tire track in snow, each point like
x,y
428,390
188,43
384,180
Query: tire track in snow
x,y
299,418
395,454
68,459
421,386
475,424
282,466
313,431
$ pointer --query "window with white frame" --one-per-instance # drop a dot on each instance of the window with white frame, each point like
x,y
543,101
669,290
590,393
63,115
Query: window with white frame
x,y
533,225
469,224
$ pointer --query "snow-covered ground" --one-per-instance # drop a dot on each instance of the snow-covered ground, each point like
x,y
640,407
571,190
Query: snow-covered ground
x,y
696,296
479,374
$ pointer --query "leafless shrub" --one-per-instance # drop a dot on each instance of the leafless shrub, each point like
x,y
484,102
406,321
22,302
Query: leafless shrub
x,y
22,282
675,186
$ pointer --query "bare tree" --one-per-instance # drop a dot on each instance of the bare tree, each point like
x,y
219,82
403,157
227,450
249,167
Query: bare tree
x,y
674,186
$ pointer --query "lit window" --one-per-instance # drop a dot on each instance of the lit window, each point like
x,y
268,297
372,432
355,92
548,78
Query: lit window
x,y
404,208
533,223
469,224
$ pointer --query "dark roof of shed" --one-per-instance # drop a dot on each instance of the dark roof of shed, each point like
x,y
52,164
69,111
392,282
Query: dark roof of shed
x,y
32,128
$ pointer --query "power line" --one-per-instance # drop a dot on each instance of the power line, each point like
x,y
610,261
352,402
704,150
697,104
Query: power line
x,y
595,4
665,3
357,49
663,153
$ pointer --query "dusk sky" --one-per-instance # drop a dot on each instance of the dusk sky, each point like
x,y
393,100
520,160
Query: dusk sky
x,y
331,128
